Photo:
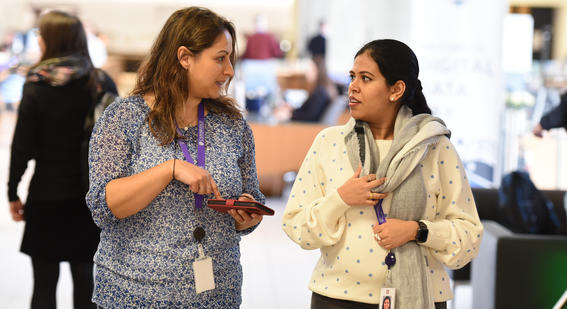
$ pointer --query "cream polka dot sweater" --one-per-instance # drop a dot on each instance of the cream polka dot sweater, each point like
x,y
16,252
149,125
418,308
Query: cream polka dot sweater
x,y
351,265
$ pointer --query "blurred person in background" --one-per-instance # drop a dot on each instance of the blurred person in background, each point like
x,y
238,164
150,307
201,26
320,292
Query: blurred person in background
x,y
318,99
555,118
11,85
155,159
261,45
317,44
259,66
58,93
20,52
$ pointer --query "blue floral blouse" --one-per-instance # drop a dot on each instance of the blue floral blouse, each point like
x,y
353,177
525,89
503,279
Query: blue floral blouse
x,y
145,260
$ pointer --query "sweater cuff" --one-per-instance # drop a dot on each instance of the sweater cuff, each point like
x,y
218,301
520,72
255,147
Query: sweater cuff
x,y
334,206
438,235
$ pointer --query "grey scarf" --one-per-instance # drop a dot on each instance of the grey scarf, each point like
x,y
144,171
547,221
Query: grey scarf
x,y
412,137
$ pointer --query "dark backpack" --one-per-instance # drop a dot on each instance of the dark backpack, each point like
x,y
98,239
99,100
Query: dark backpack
x,y
103,94
523,208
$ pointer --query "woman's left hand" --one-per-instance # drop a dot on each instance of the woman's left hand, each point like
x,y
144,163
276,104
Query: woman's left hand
x,y
394,233
17,210
244,220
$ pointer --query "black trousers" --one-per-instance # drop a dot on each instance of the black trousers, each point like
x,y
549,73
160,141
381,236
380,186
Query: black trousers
x,y
319,301
45,277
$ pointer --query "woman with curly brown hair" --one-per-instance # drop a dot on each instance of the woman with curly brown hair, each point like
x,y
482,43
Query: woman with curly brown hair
x,y
155,158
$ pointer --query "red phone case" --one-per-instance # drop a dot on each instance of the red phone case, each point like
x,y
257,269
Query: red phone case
x,y
248,206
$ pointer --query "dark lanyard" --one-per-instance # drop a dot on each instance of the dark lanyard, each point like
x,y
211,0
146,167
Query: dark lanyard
x,y
200,149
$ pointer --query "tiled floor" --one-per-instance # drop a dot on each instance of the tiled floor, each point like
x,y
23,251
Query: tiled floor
x,y
276,270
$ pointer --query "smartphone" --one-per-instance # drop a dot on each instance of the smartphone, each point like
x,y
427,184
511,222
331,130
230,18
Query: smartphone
x,y
248,206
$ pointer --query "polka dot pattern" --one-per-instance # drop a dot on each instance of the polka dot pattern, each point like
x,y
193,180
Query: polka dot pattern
x,y
354,255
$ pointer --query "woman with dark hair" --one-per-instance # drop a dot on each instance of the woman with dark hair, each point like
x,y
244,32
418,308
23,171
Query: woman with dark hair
x,y
385,197
155,157
57,97
314,107
386,302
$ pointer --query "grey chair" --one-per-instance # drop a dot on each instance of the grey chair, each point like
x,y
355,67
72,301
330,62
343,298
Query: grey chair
x,y
518,270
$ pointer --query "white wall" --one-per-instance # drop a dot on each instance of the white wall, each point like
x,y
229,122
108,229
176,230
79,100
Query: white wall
x,y
131,26
350,24
458,45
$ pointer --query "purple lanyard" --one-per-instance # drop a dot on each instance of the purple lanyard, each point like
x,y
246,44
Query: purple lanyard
x,y
200,149
390,259
379,212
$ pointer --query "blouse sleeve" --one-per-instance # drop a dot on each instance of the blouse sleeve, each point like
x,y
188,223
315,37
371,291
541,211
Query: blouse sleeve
x,y
24,139
110,151
314,218
454,239
247,164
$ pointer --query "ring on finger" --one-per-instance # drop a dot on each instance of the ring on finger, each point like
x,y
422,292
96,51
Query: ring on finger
x,y
377,236
371,196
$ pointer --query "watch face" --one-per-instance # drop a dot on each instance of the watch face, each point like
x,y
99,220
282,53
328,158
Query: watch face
x,y
422,233
422,236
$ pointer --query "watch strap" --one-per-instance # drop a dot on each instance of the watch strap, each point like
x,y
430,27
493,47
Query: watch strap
x,y
422,232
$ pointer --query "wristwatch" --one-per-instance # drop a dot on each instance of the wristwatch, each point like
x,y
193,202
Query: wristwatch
x,y
422,232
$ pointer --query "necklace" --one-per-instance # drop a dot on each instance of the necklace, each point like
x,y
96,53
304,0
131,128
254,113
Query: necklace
x,y
190,124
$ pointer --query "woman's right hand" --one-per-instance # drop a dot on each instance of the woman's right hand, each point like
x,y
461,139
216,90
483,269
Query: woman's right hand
x,y
356,191
198,179
17,210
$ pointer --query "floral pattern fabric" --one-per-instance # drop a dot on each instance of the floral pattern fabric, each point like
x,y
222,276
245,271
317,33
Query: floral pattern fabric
x,y
145,260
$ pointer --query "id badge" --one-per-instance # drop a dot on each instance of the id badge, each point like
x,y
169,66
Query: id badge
x,y
387,298
204,278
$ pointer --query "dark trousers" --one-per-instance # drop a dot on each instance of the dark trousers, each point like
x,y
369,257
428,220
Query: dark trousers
x,y
319,301
45,277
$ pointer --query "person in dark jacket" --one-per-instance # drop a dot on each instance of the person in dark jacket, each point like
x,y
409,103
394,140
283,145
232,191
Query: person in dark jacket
x,y
314,107
555,118
57,96
317,45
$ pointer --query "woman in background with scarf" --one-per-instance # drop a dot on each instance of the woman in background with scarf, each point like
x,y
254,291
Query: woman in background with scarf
x,y
384,197
58,93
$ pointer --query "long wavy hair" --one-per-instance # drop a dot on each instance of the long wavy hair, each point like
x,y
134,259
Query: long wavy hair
x,y
161,74
396,61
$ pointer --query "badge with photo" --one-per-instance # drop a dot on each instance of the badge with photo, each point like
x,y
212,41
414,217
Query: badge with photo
x,y
387,298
